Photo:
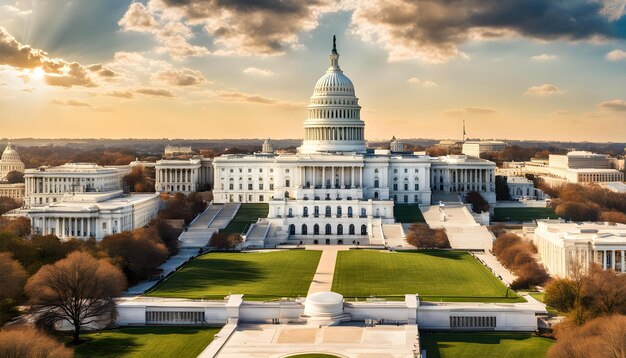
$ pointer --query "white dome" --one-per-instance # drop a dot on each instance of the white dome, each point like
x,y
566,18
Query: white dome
x,y
10,154
334,123
334,82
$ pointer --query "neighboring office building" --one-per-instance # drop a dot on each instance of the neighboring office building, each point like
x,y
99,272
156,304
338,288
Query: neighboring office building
x,y
476,148
522,188
46,184
13,191
560,244
573,167
83,200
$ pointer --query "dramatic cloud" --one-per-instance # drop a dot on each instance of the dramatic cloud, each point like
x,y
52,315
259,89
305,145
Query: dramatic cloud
x,y
544,90
57,71
616,55
70,103
16,10
258,72
432,30
242,97
184,77
172,36
544,57
469,111
614,105
102,71
245,28
417,82
156,92
120,94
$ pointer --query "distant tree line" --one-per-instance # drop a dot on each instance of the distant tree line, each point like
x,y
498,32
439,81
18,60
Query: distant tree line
x,y
589,202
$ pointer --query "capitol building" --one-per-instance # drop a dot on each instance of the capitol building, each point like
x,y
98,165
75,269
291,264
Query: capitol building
x,y
334,186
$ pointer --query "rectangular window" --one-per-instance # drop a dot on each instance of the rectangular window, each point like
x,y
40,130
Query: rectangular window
x,y
271,186
231,186
417,186
240,186
406,170
261,198
249,170
406,186
260,186
250,186
395,187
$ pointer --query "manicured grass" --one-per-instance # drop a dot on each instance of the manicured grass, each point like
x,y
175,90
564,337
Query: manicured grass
x,y
523,214
484,345
436,275
407,213
257,275
247,214
539,297
148,342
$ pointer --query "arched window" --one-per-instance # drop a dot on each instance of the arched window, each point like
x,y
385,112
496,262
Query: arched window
x,y
351,229
375,195
375,170
305,211
339,229
304,229
316,211
290,212
329,229
363,230
339,211
316,229
292,229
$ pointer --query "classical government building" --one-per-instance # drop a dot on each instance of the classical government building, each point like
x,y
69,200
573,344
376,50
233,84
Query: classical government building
x,y
11,162
563,244
334,185
83,200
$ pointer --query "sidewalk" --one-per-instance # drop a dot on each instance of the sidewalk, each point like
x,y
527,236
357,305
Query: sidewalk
x,y
496,267
323,278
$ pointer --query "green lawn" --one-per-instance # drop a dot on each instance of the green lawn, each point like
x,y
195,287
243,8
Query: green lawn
x,y
257,275
523,214
148,342
407,213
484,345
247,214
435,275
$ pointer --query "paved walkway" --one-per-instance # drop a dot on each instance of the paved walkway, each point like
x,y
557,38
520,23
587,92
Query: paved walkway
x,y
352,340
496,267
323,278
463,231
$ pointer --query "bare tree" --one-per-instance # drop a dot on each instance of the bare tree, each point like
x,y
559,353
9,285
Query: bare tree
x,y
31,343
12,279
79,289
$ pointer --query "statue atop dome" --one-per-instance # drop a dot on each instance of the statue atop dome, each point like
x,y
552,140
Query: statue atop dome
x,y
334,44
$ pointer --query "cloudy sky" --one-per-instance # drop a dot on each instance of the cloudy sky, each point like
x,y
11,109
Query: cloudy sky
x,y
515,69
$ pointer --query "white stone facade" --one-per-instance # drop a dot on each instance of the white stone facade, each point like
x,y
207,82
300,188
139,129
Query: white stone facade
x,y
47,185
13,191
475,149
85,215
562,244
185,176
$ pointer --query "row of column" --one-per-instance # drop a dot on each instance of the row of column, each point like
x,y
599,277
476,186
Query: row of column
x,y
463,179
334,133
612,254
66,227
333,113
600,177
342,176
176,175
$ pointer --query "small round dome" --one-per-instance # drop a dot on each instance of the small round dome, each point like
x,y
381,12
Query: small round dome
x,y
324,303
